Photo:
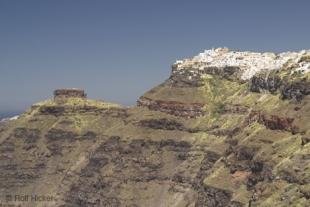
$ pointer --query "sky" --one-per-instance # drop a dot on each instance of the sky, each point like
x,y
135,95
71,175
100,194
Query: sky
x,y
117,50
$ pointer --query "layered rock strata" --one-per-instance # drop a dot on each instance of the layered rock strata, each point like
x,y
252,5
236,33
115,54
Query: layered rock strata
x,y
227,128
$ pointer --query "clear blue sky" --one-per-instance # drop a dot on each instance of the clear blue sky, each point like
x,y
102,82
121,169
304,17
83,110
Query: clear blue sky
x,y
116,50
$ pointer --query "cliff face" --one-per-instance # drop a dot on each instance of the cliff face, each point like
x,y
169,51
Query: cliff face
x,y
226,128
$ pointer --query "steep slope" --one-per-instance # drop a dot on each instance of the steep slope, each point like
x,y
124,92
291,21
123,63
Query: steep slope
x,y
226,129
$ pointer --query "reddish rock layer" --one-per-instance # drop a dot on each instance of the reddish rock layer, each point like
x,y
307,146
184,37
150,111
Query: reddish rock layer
x,y
189,110
272,122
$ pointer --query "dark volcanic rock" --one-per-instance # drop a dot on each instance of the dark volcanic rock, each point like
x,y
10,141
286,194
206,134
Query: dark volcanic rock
x,y
194,78
164,123
305,140
52,110
296,91
59,110
213,197
28,135
260,173
270,83
59,134
89,135
228,72
245,152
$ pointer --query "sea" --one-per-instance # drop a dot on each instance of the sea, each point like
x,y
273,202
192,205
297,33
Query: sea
x,y
8,114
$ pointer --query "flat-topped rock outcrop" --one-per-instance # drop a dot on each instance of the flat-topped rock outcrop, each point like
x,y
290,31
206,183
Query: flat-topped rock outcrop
x,y
69,93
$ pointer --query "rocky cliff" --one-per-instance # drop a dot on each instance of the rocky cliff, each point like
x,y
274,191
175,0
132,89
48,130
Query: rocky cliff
x,y
227,128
